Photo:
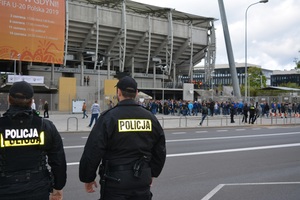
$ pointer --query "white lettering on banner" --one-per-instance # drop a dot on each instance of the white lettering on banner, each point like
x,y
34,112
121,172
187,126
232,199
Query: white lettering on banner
x,y
28,79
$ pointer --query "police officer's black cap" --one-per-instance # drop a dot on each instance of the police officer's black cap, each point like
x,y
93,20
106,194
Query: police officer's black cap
x,y
127,84
21,90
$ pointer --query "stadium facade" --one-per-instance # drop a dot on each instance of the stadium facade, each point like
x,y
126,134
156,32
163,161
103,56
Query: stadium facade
x,y
107,39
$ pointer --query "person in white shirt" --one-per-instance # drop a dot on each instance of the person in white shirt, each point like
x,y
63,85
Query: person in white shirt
x,y
33,106
95,111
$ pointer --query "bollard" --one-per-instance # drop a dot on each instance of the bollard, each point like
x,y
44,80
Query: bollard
x,y
180,121
271,119
76,123
207,120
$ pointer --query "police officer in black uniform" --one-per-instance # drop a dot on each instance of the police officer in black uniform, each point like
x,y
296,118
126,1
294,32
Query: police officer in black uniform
x,y
29,147
129,142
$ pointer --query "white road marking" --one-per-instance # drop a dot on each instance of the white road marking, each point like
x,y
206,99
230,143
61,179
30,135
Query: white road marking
x,y
179,133
266,183
201,131
213,192
234,150
233,137
219,187
72,163
217,151
221,130
224,151
74,147
84,137
242,129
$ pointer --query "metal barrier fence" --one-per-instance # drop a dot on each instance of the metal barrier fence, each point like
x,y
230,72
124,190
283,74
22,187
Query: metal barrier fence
x,y
224,121
68,120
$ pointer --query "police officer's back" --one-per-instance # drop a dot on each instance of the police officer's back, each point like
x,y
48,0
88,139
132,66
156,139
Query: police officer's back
x,y
130,143
28,144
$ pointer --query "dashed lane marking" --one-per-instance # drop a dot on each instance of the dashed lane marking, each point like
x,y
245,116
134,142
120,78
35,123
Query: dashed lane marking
x,y
201,131
72,163
179,133
74,147
221,130
256,128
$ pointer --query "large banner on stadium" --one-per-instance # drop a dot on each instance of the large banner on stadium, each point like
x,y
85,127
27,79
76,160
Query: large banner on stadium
x,y
32,30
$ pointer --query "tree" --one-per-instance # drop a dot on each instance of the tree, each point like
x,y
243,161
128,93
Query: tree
x,y
298,65
256,78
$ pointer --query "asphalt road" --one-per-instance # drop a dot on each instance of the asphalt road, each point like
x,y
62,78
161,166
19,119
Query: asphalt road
x,y
233,163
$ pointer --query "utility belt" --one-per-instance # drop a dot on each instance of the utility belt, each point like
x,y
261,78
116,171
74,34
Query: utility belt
x,y
106,168
24,177
127,167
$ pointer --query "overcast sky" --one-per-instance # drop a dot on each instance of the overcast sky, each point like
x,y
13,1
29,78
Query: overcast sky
x,y
273,29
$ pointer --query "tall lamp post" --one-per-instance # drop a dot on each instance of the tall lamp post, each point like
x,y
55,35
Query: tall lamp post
x,y
164,69
249,75
262,1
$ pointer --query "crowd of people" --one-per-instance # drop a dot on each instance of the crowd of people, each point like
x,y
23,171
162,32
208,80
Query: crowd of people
x,y
193,108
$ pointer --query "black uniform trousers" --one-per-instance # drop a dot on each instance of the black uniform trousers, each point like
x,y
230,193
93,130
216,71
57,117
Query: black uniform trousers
x,y
129,187
124,195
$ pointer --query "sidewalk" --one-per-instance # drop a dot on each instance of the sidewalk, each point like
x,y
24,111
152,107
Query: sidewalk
x,y
68,122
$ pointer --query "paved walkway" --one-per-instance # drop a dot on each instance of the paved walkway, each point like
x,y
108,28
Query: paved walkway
x,y
68,122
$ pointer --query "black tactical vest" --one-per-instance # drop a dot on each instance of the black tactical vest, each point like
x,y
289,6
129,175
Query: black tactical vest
x,y
22,141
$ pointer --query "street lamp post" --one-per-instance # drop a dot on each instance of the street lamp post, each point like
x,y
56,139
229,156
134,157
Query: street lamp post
x,y
99,79
262,1
212,84
212,91
163,88
164,69
249,95
100,64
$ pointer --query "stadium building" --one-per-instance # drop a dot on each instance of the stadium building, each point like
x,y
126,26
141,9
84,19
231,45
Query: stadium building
x,y
104,40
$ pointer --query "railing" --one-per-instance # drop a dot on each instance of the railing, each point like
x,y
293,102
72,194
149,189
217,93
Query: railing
x,y
224,121
69,120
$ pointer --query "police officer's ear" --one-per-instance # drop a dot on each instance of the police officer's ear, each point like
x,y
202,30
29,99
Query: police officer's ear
x,y
119,94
